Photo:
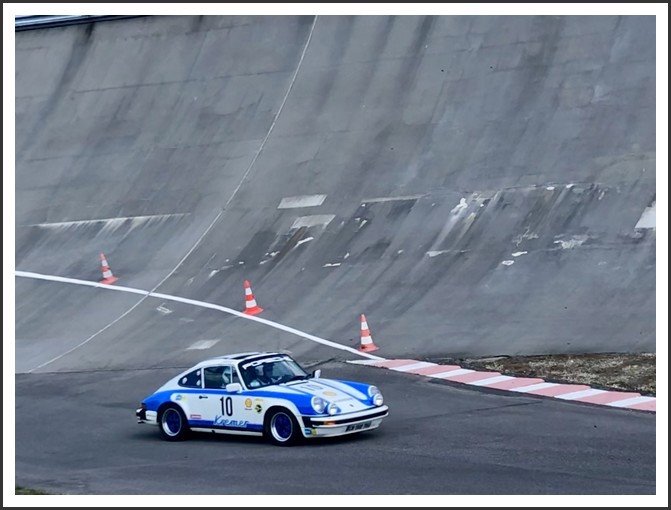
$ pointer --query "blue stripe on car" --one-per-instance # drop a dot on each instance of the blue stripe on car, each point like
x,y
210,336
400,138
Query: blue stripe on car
x,y
299,399
209,424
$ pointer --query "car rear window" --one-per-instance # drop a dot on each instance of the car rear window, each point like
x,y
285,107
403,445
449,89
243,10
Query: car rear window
x,y
191,380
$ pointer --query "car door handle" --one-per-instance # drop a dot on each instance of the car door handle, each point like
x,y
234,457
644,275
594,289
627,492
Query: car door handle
x,y
201,396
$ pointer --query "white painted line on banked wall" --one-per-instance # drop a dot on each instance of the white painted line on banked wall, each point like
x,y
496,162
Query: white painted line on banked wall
x,y
454,373
202,304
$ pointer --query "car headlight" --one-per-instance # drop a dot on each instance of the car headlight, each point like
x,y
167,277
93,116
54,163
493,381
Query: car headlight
x,y
378,400
375,395
332,409
318,404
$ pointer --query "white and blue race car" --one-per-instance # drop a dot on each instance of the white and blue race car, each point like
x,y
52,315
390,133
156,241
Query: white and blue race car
x,y
265,394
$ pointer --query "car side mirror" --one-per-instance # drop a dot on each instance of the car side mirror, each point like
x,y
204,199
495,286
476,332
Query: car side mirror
x,y
317,374
235,387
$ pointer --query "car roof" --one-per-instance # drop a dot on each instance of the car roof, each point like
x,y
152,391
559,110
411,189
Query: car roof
x,y
243,356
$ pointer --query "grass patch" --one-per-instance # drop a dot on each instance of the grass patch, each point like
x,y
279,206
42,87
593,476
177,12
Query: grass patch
x,y
26,490
616,371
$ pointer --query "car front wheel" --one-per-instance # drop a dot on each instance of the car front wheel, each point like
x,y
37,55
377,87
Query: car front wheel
x,y
172,424
281,428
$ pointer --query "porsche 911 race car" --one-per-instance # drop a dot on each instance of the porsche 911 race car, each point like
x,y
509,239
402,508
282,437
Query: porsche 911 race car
x,y
265,394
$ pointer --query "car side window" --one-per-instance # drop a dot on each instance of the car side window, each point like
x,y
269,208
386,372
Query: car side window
x,y
214,377
229,375
191,380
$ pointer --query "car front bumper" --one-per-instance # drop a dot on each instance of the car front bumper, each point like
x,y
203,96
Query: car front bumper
x,y
328,426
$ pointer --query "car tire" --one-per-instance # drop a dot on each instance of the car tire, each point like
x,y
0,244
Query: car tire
x,y
281,428
172,423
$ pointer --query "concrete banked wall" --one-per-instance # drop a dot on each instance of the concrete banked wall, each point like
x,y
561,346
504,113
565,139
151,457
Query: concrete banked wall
x,y
483,180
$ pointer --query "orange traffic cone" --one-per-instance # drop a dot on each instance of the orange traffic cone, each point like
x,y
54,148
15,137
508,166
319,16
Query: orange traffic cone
x,y
108,277
367,344
251,308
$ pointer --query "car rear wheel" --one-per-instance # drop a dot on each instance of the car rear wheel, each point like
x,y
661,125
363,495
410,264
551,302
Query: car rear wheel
x,y
172,423
281,428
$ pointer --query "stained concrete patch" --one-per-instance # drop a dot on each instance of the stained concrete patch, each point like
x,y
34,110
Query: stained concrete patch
x,y
648,218
573,242
302,201
313,221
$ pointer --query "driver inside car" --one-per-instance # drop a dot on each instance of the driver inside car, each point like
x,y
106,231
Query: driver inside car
x,y
225,378
267,376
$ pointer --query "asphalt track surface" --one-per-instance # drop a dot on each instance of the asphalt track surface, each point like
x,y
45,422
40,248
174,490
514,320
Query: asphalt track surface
x,y
427,151
78,435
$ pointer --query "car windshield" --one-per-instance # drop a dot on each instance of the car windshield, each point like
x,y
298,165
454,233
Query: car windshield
x,y
269,371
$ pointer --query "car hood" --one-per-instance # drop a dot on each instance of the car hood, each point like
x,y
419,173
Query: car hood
x,y
347,398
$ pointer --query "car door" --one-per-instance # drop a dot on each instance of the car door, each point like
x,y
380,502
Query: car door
x,y
222,410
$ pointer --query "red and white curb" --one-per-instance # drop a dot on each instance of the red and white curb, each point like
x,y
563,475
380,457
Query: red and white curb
x,y
532,386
